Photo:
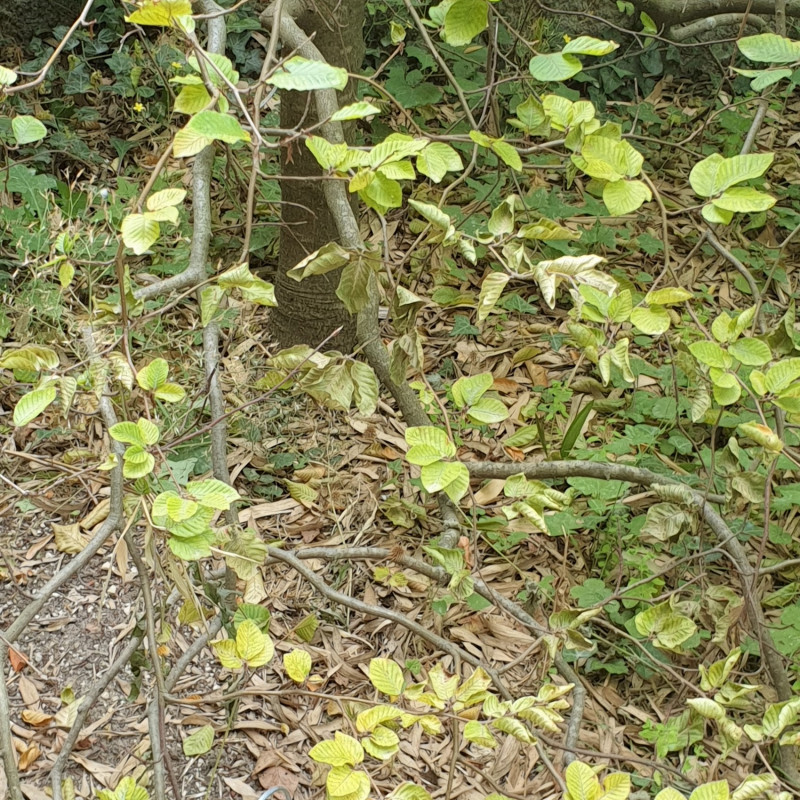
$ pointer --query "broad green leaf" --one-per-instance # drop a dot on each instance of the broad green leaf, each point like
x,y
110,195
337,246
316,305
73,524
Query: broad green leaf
x,y
66,272
249,640
669,296
126,433
216,65
437,159
198,742
210,298
762,435
769,47
148,431
409,791
168,214
191,99
623,197
137,462
353,288
177,508
744,199
433,437
303,75
297,664
715,215
717,790
589,46
164,13
170,393
545,230
27,129
302,492
348,784
479,734
203,129
507,154
344,750
139,232
715,174
359,110
464,20
727,395
328,155
7,76
153,375
554,67
523,437
30,405
328,258
386,676
468,390
32,358
432,213
491,289
366,389
711,354
213,493
382,744
397,171
166,198
451,477
488,411
256,613
752,352
192,549
653,321
370,718
443,686
226,653
762,78
782,375
706,707
514,728
382,194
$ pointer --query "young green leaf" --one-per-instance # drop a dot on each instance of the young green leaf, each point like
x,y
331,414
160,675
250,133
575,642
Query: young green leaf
x,y
199,741
297,664
386,676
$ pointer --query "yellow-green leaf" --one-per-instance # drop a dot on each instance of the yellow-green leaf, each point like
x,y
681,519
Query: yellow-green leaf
x,y
297,664
386,676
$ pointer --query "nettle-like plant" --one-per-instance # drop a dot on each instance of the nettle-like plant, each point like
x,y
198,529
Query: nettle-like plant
x,y
470,702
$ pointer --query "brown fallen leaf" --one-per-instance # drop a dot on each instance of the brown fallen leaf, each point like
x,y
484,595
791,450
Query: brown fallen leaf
x,y
17,659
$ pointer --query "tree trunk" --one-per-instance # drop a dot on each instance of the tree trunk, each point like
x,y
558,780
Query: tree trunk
x,y
22,19
309,311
